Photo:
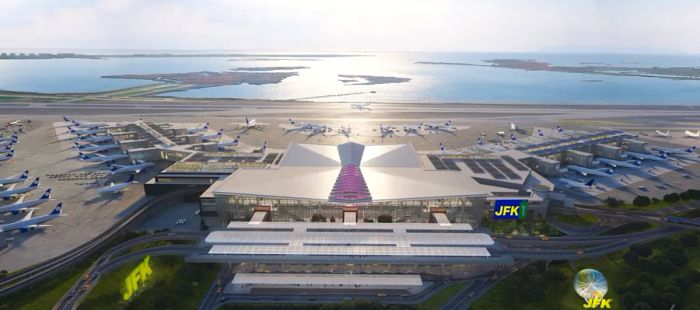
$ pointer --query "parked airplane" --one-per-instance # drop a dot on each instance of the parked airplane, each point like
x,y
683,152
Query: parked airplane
x,y
691,134
642,156
479,141
8,156
345,130
446,151
223,144
250,124
263,148
385,130
23,206
673,151
30,223
513,127
136,167
412,129
361,106
118,187
200,128
206,138
82,123
617,163
13,137
540,133
18,178
576,184
10,142
98,158
660,133
447,126
95,148
12,191
602,172
83,132
95,139
512,137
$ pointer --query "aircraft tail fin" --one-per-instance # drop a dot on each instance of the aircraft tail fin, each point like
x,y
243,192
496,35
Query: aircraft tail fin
x,y
57,209
29,215
131,178
590,183
691,149
24,175
442,147
46,194
35,183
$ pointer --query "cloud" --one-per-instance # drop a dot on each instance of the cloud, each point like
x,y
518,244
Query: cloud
x,y
449,25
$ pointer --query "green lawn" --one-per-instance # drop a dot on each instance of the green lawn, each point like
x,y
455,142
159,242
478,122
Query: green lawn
x,y
45,294
521,227
532,288
174,284
442,296
578,219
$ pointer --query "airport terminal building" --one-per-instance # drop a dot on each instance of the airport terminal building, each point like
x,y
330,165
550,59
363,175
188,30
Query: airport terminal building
x,y
324,181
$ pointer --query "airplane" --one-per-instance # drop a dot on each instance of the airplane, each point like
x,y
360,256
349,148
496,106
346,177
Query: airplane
x,y
250,124
641,156
12,192
298,126
95,139
206,138
501,133
691,134
479,141
14,123
80,123
263,148
673,151
223,144
666,134
12,137
513,127
30,223
201,128
136,167
346,131
361,106
575,184
412,129
8,156
8,142
98,158
447,126
115,188
540,133
602,172
95,148
84,132
18,178
617,164
23,206
386,130
446,151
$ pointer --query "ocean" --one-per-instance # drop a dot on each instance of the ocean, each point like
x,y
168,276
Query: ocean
x,y
428,83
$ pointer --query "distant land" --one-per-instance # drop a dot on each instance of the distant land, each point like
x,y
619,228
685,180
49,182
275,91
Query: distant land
x,y
673,73
165,55
370,79
269,68
208,78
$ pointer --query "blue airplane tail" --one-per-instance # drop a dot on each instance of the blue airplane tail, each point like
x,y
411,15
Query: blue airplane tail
x,y
691,149
57,209
35,183
131,178
590,183
46,194
66,119
442,147
24,175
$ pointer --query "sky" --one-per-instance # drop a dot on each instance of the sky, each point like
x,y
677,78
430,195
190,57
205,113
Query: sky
x,y
645,26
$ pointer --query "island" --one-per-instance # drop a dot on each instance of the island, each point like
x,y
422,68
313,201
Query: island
x,y
259,69
208,78
673,73
370,79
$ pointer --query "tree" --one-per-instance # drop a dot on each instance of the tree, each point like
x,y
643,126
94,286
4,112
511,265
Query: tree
x,y
385,218
672,197
689,240
641,201
614,203
642,306
677,256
